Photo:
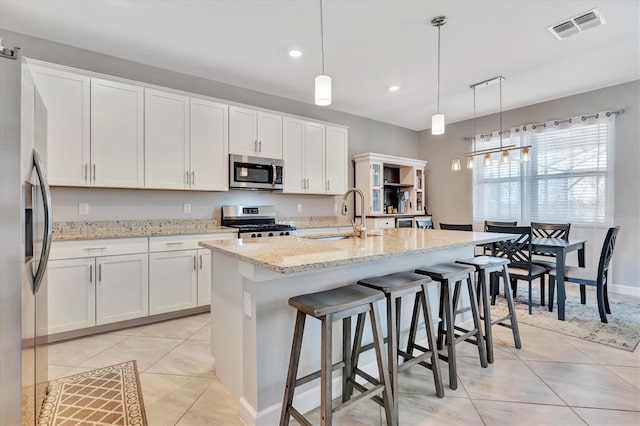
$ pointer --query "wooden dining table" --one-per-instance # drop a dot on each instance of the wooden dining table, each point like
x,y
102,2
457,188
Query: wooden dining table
x,y
560,248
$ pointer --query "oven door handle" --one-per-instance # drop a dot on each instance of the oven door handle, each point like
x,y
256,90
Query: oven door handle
x,y
273,177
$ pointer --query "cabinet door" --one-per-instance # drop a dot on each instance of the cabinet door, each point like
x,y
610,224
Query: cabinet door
x,y
166,140
293,154
314,157
117,134
204,277
71,297
243,131
67,98
209,145
269,135
173,281
122,288
336,160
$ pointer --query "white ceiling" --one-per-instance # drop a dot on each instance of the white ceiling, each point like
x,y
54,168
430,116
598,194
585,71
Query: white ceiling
x,y
369,45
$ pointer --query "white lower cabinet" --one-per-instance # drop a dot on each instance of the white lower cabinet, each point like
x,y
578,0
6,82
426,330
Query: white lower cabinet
x,y
122,288
173,281
71,294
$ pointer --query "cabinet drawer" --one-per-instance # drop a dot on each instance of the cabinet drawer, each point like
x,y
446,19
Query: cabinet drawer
x,y
89,248
384,223
184,242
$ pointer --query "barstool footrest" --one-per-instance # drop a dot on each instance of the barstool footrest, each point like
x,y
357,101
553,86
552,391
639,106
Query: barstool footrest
x,y
463,310
366,393
420,348
299,417
362,389
410,360
310,377
499,321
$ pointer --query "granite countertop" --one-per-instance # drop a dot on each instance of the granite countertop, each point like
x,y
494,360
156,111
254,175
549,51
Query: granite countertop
x,y
288,255
102,229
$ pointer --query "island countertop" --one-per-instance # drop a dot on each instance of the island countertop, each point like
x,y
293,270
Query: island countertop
x,y
288,255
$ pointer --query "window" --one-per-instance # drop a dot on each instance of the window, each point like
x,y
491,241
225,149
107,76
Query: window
x,y
567,179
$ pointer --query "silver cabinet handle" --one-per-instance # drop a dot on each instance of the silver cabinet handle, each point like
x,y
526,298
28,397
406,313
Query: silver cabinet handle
x,y
308,182
90,273
255,146
260,146
194,262
200,262
177,243
95,248
94,172
328,185
193,177
302,183
99,272
186,178
85,172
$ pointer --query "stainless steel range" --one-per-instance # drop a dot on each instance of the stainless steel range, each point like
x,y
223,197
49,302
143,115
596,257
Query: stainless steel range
x,y
255,221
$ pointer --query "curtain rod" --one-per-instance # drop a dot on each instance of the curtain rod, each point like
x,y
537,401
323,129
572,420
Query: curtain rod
x,y
555,122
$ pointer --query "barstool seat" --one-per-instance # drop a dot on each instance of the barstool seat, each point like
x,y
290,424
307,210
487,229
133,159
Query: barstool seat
x,y
486,267
328,306
394,287
445,274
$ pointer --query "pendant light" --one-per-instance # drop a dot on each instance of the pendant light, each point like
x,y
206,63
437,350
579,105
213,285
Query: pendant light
x,y
437,120
455,165
323,81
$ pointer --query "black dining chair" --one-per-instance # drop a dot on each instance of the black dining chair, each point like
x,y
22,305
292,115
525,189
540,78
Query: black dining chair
x,y
452,227
599,279
424,224
549,230
486,248
518,251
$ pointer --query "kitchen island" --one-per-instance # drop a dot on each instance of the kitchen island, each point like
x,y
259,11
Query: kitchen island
x,y
252,323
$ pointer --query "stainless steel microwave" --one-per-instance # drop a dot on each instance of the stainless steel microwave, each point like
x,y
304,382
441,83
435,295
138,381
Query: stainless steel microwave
x,y
255,173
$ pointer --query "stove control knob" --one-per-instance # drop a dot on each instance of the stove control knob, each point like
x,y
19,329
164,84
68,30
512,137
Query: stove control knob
x,y
281,234
259,235
287,233
271,234
253,235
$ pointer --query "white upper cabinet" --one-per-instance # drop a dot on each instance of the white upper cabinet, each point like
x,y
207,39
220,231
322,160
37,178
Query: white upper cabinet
x,y
209,148
293,154
314,157
269,135
166,140
243,131
336,160
67,98
117,134
255,133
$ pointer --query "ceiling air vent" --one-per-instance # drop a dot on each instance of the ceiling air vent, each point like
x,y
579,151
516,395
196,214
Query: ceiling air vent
x,y
576,24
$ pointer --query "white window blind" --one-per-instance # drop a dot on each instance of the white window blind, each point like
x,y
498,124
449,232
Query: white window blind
x,y
497,189
567,180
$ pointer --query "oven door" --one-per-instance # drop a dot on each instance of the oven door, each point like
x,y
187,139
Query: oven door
x,y
255,173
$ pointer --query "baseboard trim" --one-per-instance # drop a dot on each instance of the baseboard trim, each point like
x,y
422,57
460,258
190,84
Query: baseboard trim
x,y
626,290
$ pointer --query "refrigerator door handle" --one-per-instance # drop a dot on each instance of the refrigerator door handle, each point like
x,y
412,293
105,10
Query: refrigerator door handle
x,y
46,242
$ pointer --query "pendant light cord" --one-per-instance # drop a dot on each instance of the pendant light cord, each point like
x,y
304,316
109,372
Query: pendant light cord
x,y
474,119
321,38
500,113
438,102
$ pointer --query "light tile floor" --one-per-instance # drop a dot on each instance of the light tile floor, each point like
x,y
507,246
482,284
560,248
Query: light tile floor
x,y
553,379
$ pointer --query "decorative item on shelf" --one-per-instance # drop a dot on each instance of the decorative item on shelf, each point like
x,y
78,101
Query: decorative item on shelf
x,y
323,81
503,149
437,120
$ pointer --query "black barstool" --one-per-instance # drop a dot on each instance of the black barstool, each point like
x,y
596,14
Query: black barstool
x,y
333,305
445,274
486,266
395,286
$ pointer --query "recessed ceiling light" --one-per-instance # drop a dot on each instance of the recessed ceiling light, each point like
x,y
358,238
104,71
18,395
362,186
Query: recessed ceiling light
x,y
295,53
394,88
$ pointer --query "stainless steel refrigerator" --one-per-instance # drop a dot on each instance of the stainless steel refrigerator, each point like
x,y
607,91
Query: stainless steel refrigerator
x,y
25,240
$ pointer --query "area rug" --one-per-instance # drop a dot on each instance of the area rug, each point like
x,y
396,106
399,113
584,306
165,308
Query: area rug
x,y
105,396
582,321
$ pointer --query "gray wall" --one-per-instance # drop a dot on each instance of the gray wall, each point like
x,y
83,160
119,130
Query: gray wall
x,y
364,136
449,193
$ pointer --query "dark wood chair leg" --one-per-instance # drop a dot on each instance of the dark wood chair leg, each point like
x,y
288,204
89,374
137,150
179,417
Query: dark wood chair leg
x,y
476,322
483,278
355,354
392,354
542,284
451,346
413,329
346,358
431,337
290,384
495,287
583,294
378,343
530,296
326,401
606,293
512,310
601,309
442,314
514,287
552,289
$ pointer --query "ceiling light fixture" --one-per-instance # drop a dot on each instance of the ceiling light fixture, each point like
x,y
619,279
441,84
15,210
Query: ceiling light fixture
x,y
394,88
295,53
503,149
437,120
323,81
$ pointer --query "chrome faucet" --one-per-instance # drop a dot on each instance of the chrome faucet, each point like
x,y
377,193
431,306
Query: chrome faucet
x,y
361,230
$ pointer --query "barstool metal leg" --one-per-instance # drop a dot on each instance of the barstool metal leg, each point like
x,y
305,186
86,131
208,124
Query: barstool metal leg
x,y
326,402
296,346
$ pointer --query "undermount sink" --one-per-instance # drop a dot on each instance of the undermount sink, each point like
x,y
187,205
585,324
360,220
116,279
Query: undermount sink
x,y
329,237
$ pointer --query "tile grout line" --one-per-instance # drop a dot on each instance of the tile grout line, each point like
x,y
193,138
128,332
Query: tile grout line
x,y
192,404
635,385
